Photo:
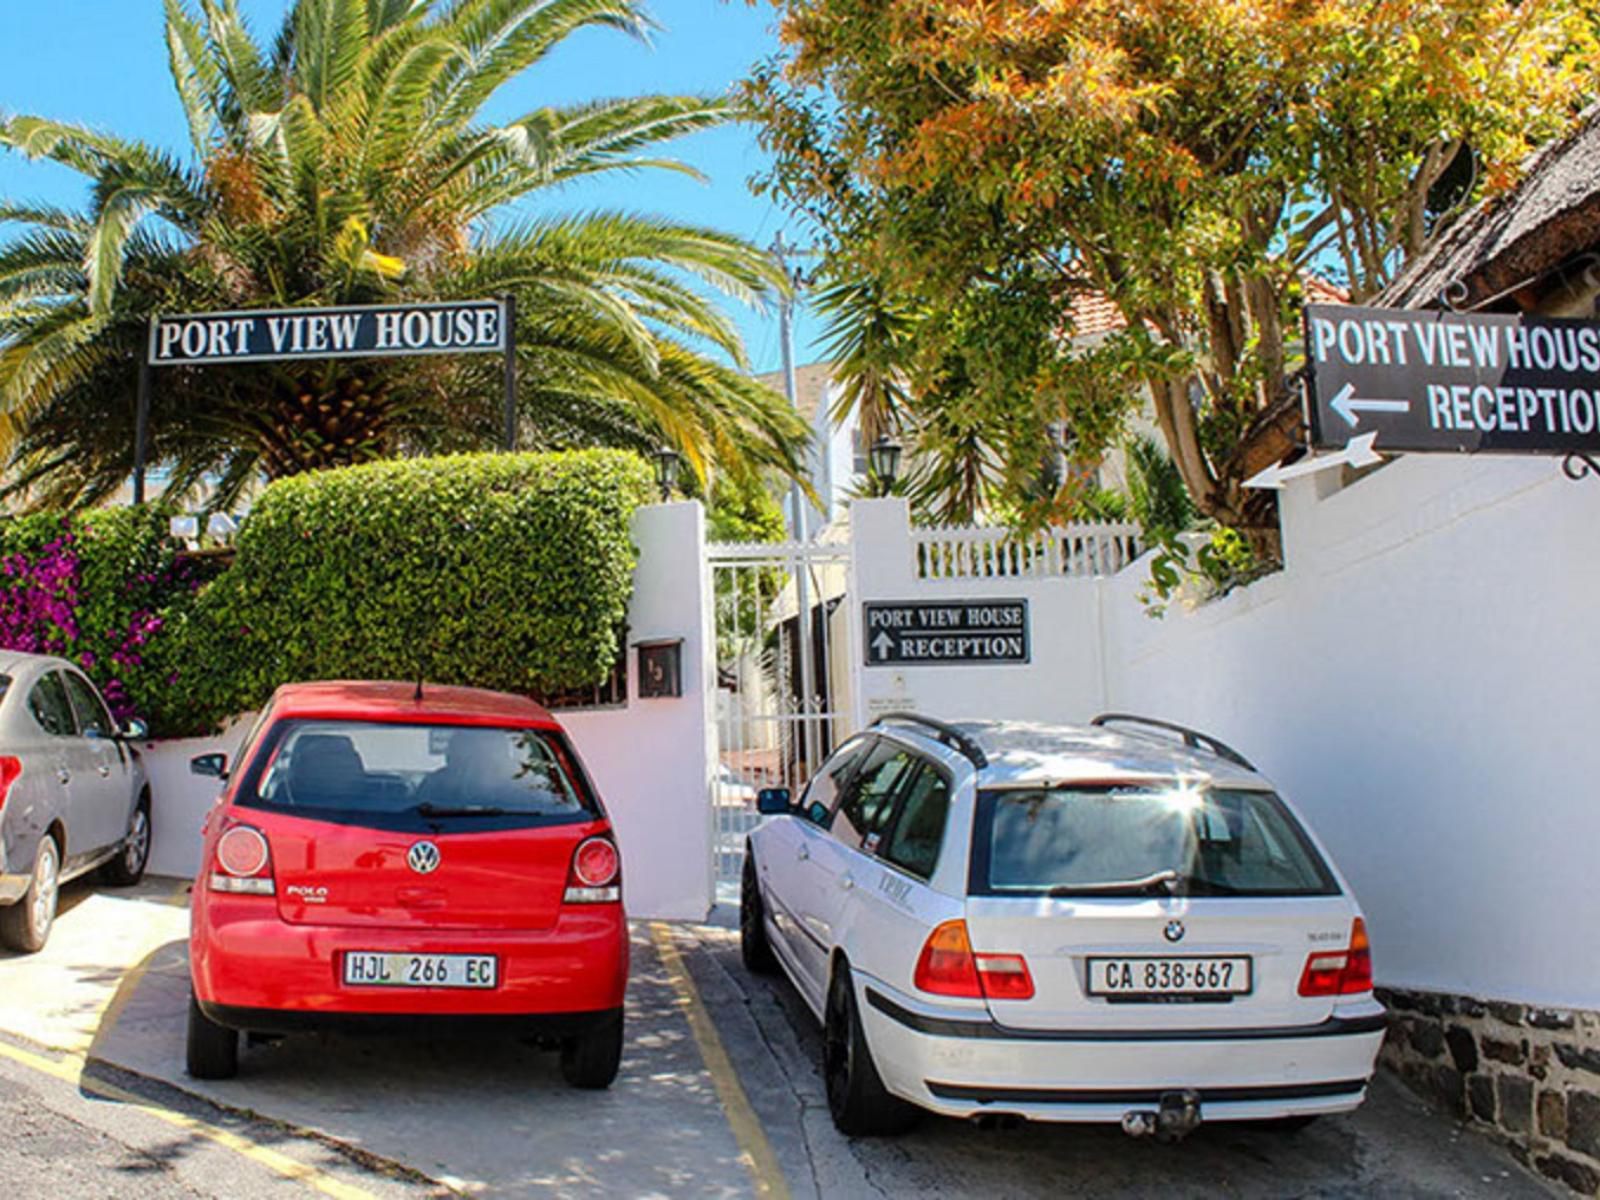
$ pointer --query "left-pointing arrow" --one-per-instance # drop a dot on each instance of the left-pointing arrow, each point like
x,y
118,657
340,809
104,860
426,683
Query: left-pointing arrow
x,y
1350,408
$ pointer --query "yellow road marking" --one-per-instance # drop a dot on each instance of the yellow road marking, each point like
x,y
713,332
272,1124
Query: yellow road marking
x,y
756,1151
70,1069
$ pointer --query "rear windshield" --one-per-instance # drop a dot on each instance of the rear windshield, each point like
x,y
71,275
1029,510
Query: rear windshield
x,y
416,777
1142,841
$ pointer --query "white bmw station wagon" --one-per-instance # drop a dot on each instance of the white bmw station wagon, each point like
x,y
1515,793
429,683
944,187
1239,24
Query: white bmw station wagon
x,y
1115,923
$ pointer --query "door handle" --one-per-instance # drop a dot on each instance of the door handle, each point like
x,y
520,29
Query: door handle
x,y
64,775
104,770
847,882
803,853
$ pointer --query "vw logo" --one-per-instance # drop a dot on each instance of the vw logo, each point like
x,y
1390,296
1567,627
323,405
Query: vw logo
x,y
423,858
1173,932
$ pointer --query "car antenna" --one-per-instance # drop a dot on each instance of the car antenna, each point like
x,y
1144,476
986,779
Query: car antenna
x,y
417,695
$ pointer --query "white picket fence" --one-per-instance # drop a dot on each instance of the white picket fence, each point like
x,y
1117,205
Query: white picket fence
x,y
1086,549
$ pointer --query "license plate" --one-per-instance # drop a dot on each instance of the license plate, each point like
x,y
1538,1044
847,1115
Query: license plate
x,y
370,968
1140,977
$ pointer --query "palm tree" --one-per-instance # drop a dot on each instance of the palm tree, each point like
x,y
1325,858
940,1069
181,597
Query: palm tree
x,y
349,163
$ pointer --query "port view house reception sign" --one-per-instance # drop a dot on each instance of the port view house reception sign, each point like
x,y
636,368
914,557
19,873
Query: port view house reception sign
x,y
946,632
268,335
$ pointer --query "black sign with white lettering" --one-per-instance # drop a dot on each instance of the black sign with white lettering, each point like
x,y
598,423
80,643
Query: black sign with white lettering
x,y
379,331
948,632
1453,381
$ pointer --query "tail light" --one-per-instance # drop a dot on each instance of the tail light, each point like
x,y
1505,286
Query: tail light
x,y
948,967
1344,972
10,771
595,876
244,863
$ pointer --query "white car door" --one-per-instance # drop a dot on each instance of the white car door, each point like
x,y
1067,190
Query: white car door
x,y
841,859
784,846
895,908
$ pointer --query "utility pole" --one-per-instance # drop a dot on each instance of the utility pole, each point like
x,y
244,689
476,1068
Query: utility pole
x,y
797,503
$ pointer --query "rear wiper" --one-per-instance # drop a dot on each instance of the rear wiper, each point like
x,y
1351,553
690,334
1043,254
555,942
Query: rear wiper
x,y
466,810
1168,878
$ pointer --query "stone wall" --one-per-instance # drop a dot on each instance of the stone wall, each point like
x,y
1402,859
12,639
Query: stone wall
x,y
1528,1076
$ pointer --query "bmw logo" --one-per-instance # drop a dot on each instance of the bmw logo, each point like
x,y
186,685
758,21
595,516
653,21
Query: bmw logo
x,y
1173,932
423,858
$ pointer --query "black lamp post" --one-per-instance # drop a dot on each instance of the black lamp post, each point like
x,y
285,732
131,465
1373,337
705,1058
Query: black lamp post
x,y
667,466
884,457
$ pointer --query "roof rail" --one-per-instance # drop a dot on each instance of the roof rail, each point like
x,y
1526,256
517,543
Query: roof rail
x,y
1192,738
944,733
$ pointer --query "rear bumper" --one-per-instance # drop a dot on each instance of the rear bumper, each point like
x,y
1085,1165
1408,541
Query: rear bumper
x,y
245,960
961,1064
522,1025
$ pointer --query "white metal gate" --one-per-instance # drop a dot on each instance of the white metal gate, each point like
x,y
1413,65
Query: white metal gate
x,y
782,678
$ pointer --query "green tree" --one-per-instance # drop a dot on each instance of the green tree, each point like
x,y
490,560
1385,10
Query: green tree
x,y
997,162
349,162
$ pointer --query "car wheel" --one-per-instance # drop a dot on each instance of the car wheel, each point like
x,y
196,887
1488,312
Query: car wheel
x,y
127,868
25,926
212,1050
590,1059
859,1103
754,946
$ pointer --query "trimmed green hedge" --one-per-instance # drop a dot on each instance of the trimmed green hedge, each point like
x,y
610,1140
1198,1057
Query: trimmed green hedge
x,y
508,571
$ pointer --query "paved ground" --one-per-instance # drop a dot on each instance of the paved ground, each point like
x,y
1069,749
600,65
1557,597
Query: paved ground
x,y
1392,1147
719,1097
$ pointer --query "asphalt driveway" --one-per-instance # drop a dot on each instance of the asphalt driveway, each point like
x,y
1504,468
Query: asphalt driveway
x,y
719,1095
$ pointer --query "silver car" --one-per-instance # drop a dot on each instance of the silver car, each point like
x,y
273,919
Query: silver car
x,y
73,794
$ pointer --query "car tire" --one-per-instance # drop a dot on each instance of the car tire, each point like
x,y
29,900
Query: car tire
x,y
25,926
754,945
857,1100
590,1059
212,1051
127,868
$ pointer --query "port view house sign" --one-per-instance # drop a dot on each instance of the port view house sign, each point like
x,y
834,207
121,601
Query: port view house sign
x,y
946,632
386,330
1444,381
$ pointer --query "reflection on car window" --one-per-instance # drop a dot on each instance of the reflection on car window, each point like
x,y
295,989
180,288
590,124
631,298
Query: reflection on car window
x,y
359,767
919,829
49,705
1217,841
93,720
864,811
824,787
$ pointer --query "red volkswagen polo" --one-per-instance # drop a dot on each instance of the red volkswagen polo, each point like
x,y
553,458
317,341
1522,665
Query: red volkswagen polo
x,y
393,857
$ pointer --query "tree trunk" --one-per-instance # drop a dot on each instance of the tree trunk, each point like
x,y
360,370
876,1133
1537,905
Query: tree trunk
x,y
309,425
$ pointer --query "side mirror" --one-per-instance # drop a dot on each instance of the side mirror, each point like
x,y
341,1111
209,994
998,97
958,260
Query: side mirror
x,y
213,765
772,802
134,731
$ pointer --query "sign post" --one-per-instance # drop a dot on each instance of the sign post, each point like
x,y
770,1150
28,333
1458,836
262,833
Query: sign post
x,y
352,331
941,633
1422,381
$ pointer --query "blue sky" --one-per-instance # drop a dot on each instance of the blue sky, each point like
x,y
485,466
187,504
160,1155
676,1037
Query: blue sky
x,y
103,63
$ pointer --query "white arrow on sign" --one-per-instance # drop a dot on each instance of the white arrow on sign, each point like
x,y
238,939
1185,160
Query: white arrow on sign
x,y
1347,406
882,644
1357,452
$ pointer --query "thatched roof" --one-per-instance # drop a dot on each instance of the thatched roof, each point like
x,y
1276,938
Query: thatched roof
x,y
1550,217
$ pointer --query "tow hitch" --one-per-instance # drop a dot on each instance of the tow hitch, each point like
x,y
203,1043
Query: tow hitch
x,y
1177,1118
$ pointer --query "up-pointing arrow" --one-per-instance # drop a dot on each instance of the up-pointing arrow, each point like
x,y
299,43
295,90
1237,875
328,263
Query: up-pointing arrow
x,y
1347,406
1357,452
882,644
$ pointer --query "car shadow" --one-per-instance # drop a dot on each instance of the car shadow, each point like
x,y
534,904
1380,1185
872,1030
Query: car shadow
x,y
474,1113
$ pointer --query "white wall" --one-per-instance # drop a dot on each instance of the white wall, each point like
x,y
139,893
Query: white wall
x,y
650,760
1065,679
1424,682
